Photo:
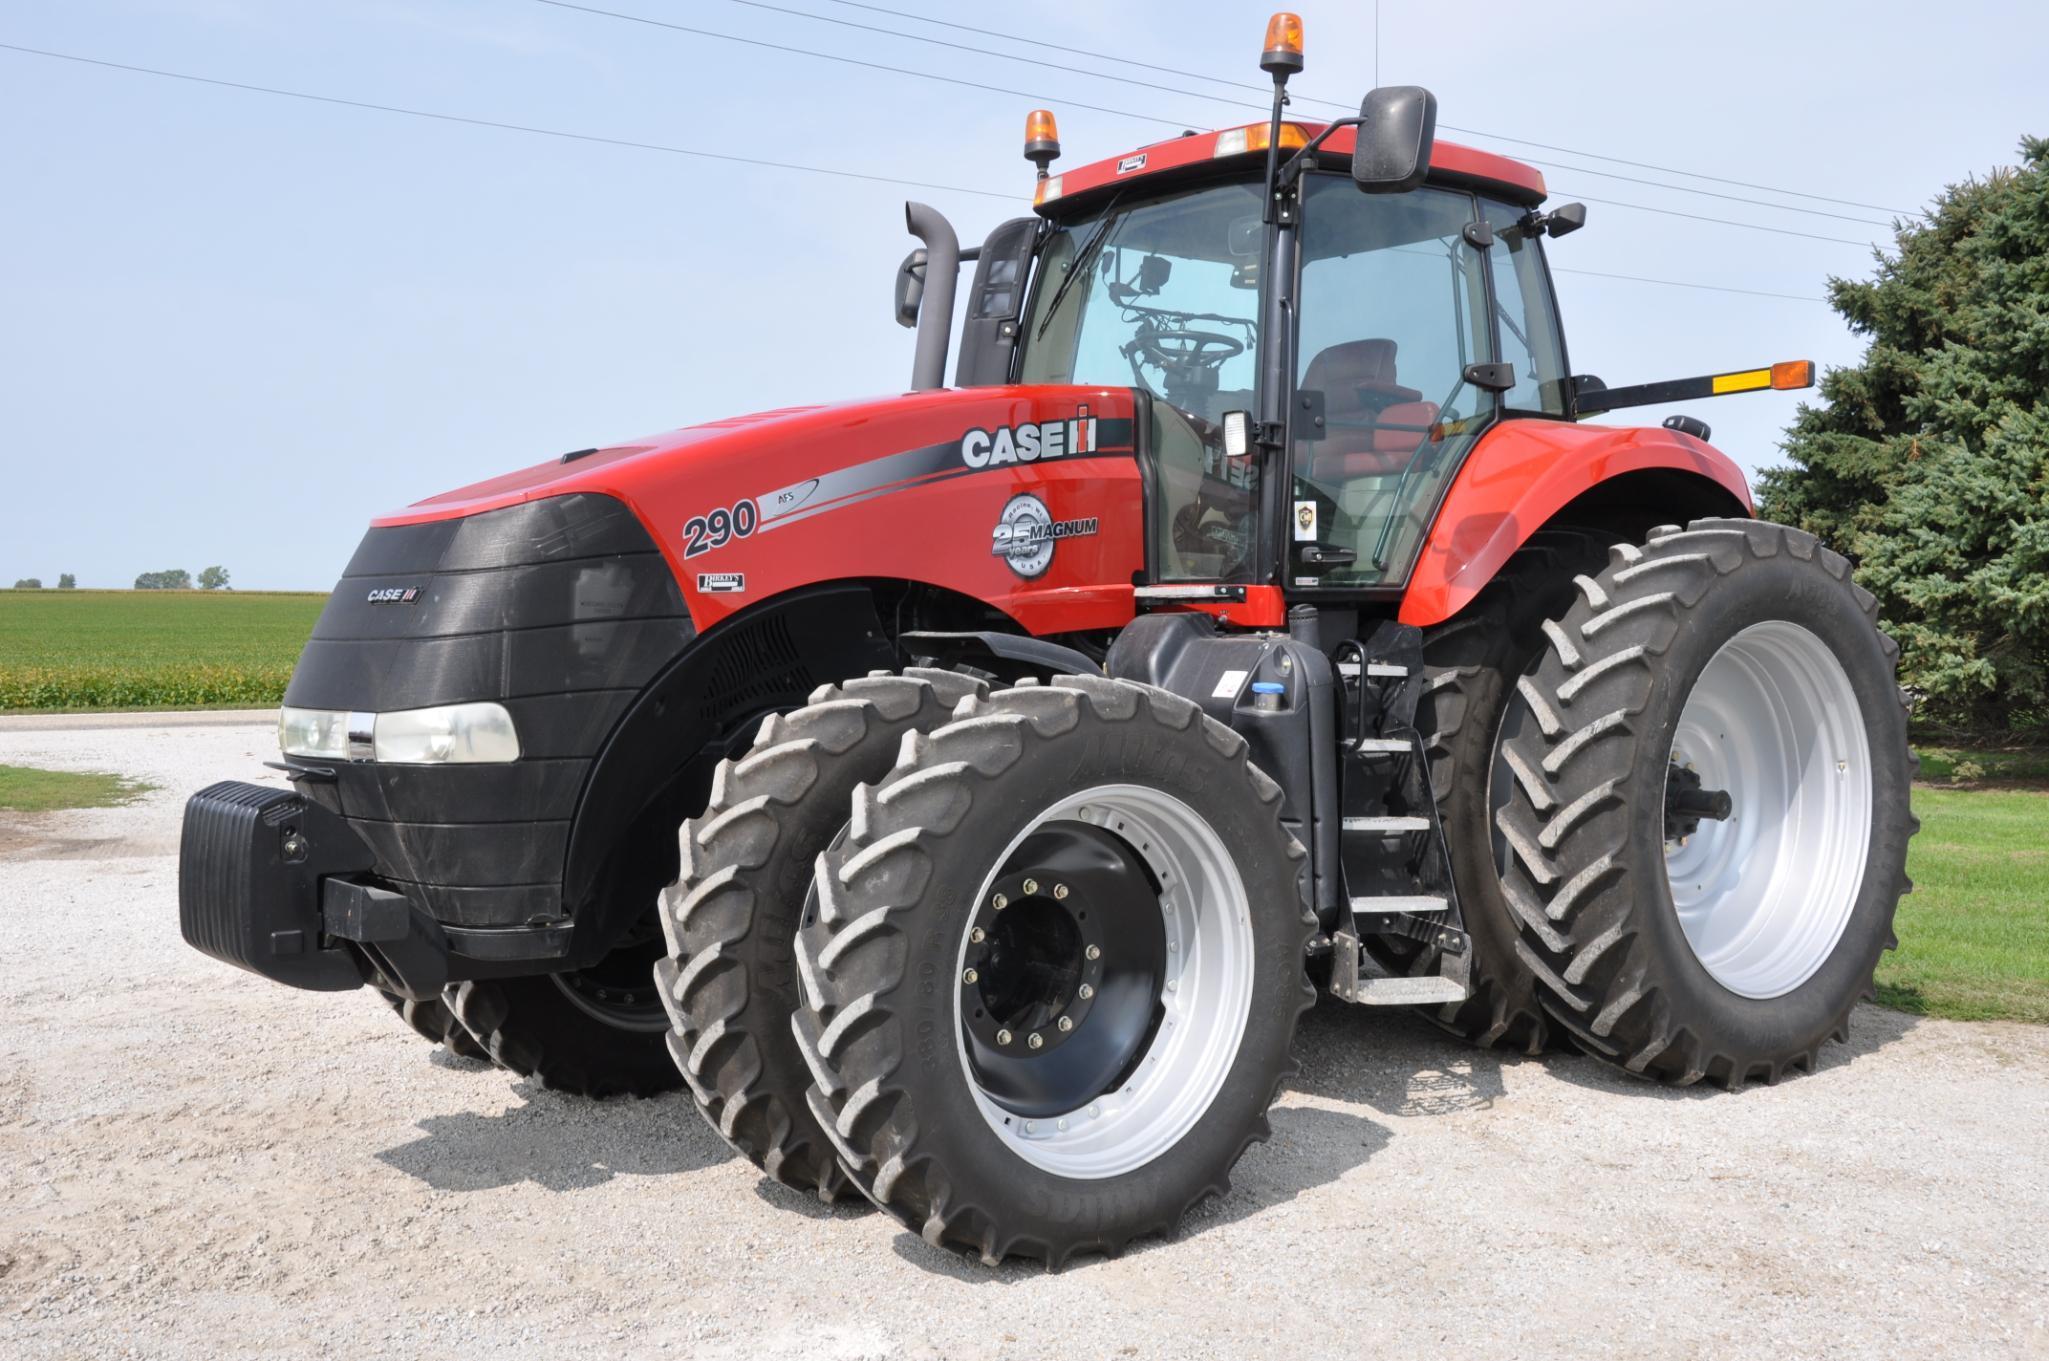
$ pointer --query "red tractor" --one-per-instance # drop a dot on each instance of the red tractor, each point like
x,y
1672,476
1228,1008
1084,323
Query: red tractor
x,y
1256,614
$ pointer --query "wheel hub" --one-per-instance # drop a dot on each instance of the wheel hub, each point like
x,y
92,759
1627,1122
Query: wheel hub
x,y
1772,725
1062,970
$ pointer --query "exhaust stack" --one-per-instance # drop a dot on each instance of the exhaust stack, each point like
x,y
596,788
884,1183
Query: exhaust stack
x,y
935,311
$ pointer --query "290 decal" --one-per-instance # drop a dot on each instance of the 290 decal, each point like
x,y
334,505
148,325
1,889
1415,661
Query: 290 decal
x,y
702,533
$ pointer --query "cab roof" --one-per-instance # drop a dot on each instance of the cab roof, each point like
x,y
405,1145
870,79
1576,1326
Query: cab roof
x,y
1450,163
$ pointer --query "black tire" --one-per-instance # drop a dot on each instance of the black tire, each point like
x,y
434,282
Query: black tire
x,y
880,963
433,1021
1471,664
595,1032
730,980
1591,744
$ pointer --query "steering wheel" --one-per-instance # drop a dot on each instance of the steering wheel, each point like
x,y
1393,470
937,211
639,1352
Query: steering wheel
x,y
1182,351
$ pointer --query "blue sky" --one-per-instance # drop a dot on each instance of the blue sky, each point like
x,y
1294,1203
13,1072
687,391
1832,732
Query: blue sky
x,y
233,326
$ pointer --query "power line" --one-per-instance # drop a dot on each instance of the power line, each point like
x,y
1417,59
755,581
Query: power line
x,y
1349,108
1061,67
1720,221
1171,122
856,61
505,127
1068,69
1680,283
633,145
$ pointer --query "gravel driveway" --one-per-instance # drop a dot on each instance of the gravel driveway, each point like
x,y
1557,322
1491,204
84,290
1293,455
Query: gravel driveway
x,y
197,1163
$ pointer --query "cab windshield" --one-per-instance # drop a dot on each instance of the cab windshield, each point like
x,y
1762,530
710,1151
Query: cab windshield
x,y
1167,300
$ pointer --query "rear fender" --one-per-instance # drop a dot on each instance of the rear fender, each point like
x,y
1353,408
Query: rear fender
x,y
1524,472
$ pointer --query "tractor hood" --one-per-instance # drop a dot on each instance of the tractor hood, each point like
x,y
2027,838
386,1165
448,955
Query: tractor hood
x,y
828,433
754,505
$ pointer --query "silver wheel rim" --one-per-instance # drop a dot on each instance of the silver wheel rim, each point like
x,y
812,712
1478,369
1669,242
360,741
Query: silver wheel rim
x,y
1206,993
1764,896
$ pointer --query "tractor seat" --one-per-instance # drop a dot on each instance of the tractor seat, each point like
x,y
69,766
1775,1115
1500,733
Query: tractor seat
x,y
1373,424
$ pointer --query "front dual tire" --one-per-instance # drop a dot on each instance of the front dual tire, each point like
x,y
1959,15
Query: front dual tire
x,y
1088,834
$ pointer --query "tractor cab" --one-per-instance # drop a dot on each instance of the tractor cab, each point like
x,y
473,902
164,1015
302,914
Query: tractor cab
x,y
1320,321
1401,326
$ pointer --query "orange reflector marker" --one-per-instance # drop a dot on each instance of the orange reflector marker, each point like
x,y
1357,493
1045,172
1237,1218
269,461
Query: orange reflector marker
x,y
1238,141
1283,54
1794,373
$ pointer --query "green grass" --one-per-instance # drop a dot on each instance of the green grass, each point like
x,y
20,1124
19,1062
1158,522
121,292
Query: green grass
x,y
24,789
149,649
1974,934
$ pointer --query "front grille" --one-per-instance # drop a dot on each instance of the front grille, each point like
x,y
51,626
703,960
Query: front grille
x,y
562,610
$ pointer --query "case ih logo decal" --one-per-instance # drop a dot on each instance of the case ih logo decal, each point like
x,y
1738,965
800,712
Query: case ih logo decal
x,y
1026,533
394,595
1029,443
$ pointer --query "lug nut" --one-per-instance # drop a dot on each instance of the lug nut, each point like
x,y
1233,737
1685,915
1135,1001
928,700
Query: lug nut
x,y
1084,992
1030,887
1060,890
1094,952
970,976
1035,1039
1066,1024
978,935
999,902
1003,1037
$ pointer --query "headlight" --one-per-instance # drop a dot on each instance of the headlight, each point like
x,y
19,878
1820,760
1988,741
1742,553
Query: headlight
x,y
453,734
314,732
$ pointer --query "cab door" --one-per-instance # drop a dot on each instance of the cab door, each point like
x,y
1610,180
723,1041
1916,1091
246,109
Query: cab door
x,y
1393,320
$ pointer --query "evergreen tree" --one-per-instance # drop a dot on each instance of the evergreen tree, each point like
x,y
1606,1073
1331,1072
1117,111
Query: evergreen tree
x,y
1929,463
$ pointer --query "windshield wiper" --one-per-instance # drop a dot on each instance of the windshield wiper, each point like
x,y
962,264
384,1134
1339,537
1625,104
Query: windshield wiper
x,y
1083,258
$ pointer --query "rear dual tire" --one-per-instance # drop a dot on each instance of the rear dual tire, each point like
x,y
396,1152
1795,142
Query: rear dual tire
x,y
1739,657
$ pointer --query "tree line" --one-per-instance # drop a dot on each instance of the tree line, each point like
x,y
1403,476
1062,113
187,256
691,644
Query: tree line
x,y
1928,462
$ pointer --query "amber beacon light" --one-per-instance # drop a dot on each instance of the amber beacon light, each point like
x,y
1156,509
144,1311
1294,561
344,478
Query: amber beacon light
x,y
1042,139
1283,54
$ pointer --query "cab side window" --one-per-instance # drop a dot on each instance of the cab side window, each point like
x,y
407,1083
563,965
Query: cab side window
x,y
1525,316
1393,312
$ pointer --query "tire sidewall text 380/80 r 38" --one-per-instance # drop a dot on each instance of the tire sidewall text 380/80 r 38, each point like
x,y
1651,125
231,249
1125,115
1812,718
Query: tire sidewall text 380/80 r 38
x,y
1761,628
886,1031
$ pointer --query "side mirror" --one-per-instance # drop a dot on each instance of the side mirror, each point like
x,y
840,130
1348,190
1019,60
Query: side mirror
x,y
910,288
1397,126
1566,218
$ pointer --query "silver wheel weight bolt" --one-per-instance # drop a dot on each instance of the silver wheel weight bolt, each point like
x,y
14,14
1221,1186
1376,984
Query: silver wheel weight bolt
x,y
1066,1024
1172,985
1094,952
1035,1039
1030,886
1084,992
978,935
1095,1110
999,902
1003,1037
1061,1126
970,976
1029,1127
1060,890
